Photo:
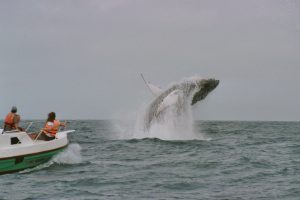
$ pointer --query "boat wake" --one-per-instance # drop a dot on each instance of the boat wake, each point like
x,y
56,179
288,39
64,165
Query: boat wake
x,y
71,155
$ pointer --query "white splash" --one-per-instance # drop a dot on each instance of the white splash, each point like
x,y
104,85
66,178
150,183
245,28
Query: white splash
x,y
171,126
71,155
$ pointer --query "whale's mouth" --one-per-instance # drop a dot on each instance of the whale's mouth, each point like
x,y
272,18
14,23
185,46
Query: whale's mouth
x,y
205,86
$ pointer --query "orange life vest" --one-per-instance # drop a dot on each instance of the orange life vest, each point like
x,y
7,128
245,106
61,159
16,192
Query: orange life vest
x,y
9,119
52,127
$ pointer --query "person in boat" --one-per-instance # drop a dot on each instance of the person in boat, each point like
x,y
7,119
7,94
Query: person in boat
x,y
12,120
51,127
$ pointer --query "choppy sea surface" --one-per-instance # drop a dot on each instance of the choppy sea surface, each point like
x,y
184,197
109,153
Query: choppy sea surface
x,y
236,161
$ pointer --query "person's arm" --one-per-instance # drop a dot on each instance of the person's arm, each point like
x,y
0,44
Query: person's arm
x,y
63,124
17,120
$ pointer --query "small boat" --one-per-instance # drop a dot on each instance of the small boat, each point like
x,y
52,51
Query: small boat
x,y
18,151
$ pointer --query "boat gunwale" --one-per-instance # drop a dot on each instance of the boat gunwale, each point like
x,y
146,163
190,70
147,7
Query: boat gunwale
x,y
31,154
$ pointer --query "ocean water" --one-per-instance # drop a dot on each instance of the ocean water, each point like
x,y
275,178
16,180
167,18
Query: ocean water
x,y
234,161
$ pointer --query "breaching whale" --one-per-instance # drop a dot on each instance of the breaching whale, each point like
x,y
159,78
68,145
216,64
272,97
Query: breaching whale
x,y
178,98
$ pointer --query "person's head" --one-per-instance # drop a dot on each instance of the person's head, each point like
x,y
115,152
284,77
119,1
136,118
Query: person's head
x,y
51,117
14,109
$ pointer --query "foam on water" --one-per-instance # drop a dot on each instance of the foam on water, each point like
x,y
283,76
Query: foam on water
x,y
71,155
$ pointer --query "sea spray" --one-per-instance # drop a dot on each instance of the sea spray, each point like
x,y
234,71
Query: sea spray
x,y
71,155
175,121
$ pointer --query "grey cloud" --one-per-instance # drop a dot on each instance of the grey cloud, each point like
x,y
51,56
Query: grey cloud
x,y
82,59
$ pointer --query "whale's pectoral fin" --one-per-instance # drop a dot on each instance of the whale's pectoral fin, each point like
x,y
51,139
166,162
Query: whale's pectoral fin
x,y
168,101
156,91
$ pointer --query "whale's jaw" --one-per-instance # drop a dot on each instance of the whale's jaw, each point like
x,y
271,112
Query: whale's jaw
x,y
205,86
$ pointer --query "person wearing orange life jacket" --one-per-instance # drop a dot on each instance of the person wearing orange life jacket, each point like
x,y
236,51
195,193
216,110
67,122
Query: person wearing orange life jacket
x,y
12,120
51,127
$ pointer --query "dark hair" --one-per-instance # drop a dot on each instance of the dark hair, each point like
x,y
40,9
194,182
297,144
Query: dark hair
x,y
14,109
51,117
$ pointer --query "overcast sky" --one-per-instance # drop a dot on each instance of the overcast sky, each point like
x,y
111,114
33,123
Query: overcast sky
x,y
82,59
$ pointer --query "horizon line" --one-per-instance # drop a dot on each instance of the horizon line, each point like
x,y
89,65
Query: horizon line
x,y
215,120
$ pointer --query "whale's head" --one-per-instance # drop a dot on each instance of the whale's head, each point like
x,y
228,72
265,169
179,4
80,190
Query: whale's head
x,y
204,87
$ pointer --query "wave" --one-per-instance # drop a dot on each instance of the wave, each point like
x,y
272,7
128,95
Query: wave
x,y
71,155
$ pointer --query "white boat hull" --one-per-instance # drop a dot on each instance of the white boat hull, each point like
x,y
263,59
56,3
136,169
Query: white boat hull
x,y
18,151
